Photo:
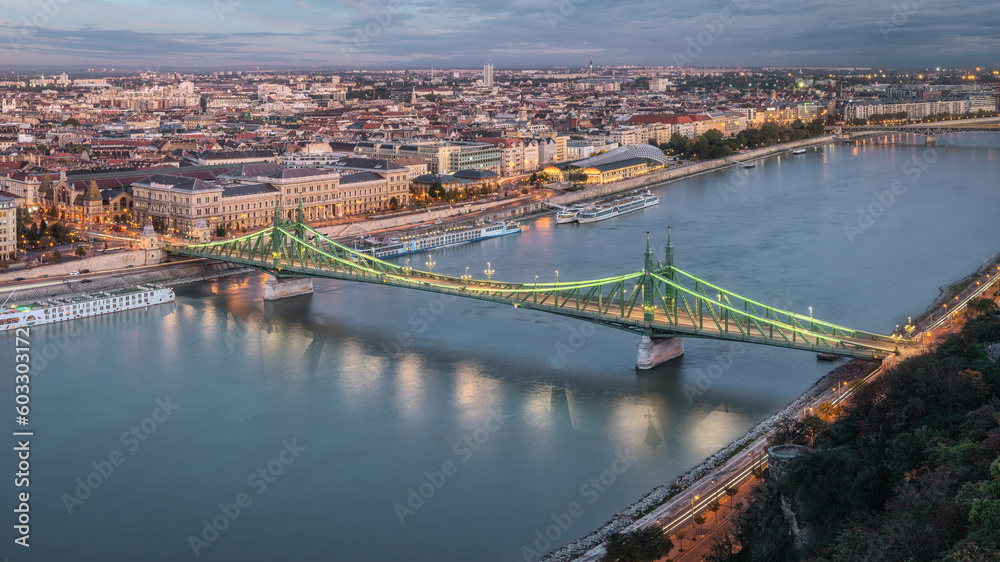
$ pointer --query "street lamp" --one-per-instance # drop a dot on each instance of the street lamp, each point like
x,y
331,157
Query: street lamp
x,y
692,509
489,271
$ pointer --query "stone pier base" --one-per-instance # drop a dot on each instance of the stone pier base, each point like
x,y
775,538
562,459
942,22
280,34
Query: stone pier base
x,y
657,351
281,288
931,139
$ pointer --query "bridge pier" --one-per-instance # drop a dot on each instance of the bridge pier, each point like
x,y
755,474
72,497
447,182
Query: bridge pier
x,y
930,139
657,351
281,288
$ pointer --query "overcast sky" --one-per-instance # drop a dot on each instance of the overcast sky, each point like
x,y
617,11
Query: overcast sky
x,y
513,33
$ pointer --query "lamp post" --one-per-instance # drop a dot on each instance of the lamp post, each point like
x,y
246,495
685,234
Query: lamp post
x,y
489,271
692,509
430,263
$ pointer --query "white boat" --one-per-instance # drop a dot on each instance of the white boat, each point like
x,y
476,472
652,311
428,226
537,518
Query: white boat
x,y
441,238
798,151
569,214
617,207
97,303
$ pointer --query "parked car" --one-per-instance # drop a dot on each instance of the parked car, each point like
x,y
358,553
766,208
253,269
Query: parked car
x,y
87,281
74,273
19,279
84,271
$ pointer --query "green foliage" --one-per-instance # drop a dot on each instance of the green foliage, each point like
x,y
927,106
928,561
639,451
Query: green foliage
x,y
220,231
4,265
908,471
713,145
71,121
81,251
393,204
56,255
640,545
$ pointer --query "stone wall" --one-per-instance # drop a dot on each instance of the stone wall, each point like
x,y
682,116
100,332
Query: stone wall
x,y
103,262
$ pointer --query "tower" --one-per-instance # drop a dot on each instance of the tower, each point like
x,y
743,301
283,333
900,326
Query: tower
x,y
591,65
488,74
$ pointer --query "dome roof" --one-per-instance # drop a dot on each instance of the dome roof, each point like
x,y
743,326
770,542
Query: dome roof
x,y
626,152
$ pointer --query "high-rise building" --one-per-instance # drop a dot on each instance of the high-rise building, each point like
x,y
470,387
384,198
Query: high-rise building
x,y
488,74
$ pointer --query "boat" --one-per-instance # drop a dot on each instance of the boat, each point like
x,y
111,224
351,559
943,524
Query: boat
x,y
568,214
798,151
617,207
402,246
827,357
53,310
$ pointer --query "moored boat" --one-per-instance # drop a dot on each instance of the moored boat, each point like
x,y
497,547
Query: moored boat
x,y
617,207
53,310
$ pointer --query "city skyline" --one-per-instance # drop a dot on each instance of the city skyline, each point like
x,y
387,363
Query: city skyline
x,y
456,33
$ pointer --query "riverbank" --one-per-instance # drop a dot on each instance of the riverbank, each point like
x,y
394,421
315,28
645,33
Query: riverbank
x,y
527,207
665,492
169,274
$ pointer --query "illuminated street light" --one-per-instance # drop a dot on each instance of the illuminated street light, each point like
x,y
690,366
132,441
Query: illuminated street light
x,y
489,271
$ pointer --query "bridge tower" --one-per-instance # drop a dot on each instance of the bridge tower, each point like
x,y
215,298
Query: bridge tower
x,y
653,351
283,287
670,293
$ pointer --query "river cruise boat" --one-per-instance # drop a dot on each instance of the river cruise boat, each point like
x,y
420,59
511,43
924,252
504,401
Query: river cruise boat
x,y
25,315
568,214
617,207
440,239
798,151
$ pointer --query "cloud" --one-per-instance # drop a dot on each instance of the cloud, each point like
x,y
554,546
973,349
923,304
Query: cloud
x,y
516,33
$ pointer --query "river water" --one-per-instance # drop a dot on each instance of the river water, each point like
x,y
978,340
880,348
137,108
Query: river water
x,y
372,423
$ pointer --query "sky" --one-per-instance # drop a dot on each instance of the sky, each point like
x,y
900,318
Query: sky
x,y
512,33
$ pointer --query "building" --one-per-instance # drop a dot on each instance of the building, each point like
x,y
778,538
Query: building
x,y
442,157
175,204
362,177
8,228
215,157
24,186
488,75
422,185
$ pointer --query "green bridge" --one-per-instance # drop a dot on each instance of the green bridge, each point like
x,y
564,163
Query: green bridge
x,y
661,302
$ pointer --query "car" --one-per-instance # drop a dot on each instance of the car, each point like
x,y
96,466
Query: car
x,y
74,273
87,281
45,276
84,271
19,279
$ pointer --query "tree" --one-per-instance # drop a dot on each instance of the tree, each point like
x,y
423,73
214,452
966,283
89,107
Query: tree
x,y
220,231
4,265
71,121
393,204
81,251
43,227
699,520
714,508
56,255
436,190
731,492
680,535
105,246
722,549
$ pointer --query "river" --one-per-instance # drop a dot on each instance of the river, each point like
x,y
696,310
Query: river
x,y
373,423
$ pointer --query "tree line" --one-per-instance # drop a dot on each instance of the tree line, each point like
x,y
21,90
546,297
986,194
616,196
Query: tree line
x,y
712,144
